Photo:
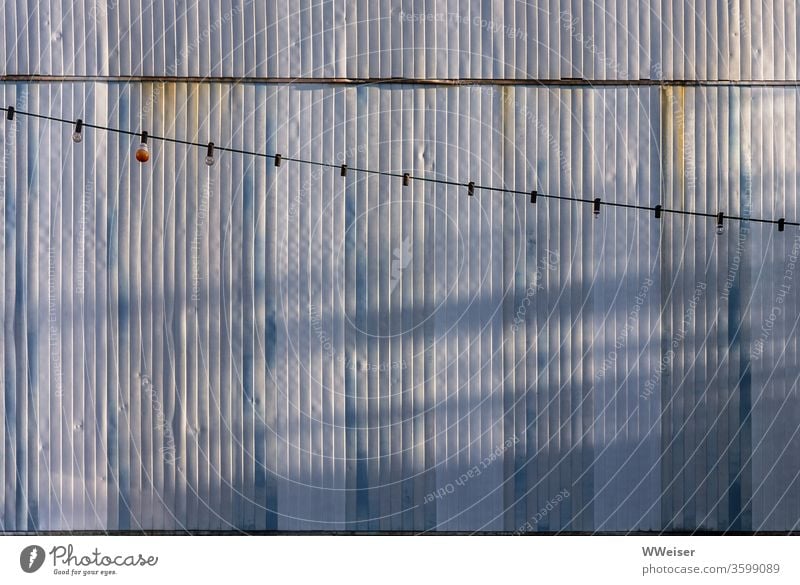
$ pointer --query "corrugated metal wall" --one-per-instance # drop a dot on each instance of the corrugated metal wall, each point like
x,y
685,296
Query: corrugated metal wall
x,y
543,39
257,348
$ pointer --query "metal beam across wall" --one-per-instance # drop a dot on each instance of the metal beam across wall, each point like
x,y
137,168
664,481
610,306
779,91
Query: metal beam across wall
x,y
413,81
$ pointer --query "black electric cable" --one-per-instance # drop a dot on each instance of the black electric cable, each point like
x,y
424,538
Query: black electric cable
x,y
472,187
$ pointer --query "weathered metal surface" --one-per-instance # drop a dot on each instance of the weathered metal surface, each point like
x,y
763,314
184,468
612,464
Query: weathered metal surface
x,y
647,39
251,347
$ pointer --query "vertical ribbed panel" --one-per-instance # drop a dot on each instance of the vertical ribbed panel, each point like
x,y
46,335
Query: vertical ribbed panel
x,y
709,40
244,346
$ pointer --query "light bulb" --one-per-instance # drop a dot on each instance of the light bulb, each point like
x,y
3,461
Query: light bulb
x,y
720,229
77,135
143,153
596,210
210,154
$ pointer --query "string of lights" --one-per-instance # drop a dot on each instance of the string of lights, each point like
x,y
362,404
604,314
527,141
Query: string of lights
x,y
142,155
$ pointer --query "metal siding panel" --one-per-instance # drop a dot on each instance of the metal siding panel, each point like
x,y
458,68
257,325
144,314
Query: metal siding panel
x,y
550,40
271,431
282,343
7,453
271,332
